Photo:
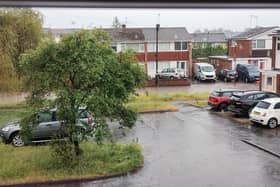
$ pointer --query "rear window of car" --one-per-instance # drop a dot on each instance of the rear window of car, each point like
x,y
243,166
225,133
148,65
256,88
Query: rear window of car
x,y
263,104
227,94
215,93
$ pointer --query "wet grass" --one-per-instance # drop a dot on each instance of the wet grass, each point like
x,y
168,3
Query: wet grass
x,y
7,115
13,105
35,163
154,101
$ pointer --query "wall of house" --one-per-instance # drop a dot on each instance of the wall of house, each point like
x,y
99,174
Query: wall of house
x,y
242,49
220,63
267,38
166,64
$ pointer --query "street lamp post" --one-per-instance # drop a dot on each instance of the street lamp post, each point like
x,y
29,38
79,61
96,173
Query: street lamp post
x,y
157,30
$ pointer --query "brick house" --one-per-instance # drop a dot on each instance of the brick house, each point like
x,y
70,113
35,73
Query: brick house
x,y
250,47
270,79
174,46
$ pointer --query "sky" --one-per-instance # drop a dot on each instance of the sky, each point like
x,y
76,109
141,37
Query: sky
x,y
192,19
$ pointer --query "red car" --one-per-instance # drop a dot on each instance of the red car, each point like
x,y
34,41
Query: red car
x,y
219,99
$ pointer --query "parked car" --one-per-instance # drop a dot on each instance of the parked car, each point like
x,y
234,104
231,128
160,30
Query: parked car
x,y
219,99
247,72
47,126
172,73
243,103
227,75
204,71
267,112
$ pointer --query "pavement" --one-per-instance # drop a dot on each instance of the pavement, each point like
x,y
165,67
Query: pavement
x,y
197,148
202,87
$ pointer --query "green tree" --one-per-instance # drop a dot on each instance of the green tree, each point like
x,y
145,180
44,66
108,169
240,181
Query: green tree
x,y
203,52
20,30
84,70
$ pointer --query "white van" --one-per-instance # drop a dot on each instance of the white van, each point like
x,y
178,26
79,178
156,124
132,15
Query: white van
x,y
204,71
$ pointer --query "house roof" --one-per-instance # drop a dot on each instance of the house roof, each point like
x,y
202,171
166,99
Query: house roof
x,y
136,34
167,34
126,34
253,32
208,37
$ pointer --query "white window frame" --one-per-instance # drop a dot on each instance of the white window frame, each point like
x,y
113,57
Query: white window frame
x,y
256,43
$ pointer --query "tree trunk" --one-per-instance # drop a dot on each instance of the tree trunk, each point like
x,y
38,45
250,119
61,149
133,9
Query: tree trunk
x,y
77,148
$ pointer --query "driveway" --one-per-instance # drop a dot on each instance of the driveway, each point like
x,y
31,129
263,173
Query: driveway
x,y
197,148
202,87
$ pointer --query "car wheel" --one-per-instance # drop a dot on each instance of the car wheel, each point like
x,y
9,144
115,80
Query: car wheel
x,y
223,107
17,140
171,78
272,123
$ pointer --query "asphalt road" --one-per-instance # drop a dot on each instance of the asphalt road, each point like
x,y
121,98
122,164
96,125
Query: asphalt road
x,y
197,148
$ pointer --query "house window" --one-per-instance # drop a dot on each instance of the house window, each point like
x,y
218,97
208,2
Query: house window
x,y
269,81
114,48
278,46
180,46
258,44
162,46
138,47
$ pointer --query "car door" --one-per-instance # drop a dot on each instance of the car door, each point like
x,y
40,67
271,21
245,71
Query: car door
x,y
163,73
46,125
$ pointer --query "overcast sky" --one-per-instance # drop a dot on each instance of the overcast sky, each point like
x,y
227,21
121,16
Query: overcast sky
x,y
192,19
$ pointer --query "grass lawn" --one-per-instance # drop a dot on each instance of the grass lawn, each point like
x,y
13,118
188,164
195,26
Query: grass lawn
x,y
7,115
154,101
35,163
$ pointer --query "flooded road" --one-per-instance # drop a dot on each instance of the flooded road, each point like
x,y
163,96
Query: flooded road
x,y
196,148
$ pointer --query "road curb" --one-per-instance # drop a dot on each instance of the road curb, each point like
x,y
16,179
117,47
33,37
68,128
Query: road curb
x,y
158,111
74,180
261,148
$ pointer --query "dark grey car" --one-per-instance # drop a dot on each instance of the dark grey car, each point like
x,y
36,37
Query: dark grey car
x,y
47,127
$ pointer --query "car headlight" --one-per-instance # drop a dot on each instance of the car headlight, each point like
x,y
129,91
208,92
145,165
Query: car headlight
x,y
6,129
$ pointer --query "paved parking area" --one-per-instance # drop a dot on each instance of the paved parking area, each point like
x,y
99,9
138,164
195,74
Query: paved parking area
x,y
195,147
203,87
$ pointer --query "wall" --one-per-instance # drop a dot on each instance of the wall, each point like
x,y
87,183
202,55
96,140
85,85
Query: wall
x,y
242,49
179,82
264,83
220,63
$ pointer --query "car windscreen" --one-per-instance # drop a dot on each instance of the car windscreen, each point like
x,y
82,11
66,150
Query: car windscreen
x,y
207,68
263,104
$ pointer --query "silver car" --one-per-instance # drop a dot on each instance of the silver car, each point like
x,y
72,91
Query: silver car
x,y
47,127
172,73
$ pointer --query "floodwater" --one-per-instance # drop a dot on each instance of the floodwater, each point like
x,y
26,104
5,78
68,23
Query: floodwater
x,y
196,148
